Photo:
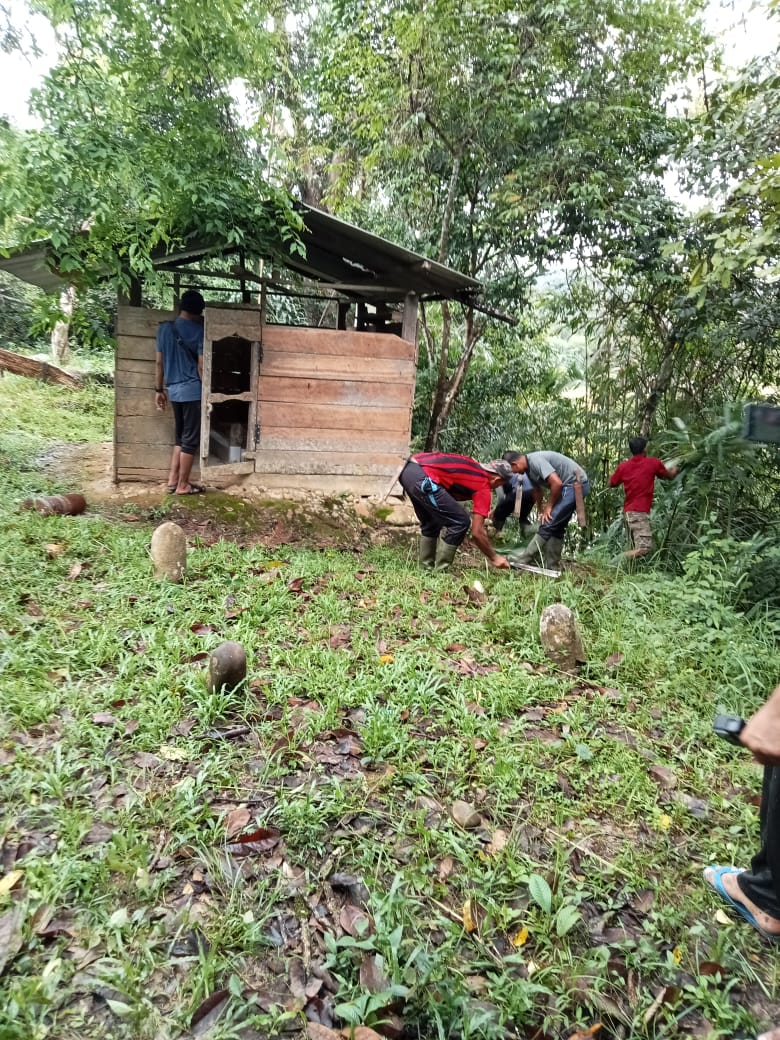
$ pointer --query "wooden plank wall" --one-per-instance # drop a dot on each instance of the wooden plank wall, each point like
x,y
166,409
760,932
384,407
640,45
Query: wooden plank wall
x,y
330,403
334,403
143,437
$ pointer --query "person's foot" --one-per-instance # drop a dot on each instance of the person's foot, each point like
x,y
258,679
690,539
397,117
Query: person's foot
x,y
191,489
725,878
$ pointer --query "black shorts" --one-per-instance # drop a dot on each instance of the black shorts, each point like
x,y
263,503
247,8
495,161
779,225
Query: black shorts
x,y
186,415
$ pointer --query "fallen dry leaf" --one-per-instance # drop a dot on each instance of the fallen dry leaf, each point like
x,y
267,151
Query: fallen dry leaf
x,y
262,840
371,974
171,753
665,997
722,917
465,815
208,1011
468,917
76,570
585,1034
53,549
103,718
10,935
9,880
497,842
340,637
183,728
200,628
361,1033
664,776
354,921
712,968
446,868
520,938
236,820
315,1031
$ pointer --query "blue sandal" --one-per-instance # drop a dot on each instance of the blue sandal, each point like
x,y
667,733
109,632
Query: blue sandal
x,y
716,884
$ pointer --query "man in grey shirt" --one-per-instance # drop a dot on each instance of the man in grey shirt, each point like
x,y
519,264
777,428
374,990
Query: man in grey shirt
x,y
560,475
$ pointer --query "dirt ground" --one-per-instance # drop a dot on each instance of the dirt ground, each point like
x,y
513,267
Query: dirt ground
x,y
247,514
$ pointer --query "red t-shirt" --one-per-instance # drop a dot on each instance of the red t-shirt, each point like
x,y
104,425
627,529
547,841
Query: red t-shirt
x,y
637,475
461,476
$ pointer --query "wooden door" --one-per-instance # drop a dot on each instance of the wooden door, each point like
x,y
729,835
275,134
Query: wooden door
x,y
231,363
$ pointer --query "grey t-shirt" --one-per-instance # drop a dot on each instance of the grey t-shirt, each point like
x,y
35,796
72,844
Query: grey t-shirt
x,y
542,463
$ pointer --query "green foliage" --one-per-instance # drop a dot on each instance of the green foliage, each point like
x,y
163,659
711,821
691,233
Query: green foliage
x,y
131,815
142,142
497,140
18,302
90,325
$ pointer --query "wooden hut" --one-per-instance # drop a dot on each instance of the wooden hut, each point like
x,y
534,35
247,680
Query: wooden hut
x,y
325,408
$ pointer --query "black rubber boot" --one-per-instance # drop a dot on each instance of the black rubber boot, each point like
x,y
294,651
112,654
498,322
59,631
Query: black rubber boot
x,y
445,555
427,556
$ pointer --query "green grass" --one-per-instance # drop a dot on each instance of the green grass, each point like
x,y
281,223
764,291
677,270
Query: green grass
x,y
135,908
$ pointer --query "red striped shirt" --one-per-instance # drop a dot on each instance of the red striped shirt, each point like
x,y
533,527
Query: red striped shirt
x,y
463,477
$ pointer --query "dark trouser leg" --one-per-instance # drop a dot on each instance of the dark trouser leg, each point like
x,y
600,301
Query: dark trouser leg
x,y
506,507
561,515
434,509
762,882
503,511
188,436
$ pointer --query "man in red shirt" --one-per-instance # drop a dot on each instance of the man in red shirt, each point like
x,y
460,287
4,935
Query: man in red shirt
x,y
436,482
637,475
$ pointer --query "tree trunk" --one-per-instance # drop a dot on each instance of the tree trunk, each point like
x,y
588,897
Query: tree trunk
x,y
658,388
60,346
448,390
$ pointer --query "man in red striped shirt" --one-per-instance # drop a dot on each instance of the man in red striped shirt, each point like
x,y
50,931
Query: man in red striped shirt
x,y
637,475
436,482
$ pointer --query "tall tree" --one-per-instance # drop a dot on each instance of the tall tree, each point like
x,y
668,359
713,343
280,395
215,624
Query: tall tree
x,y
497,136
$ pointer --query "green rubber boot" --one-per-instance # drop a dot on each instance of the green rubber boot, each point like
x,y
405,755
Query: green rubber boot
x,y
445,555
552,553
427,556
533,552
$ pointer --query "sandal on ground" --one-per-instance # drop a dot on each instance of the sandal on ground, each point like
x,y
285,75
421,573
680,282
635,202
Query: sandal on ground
x,y
171,489
195,489
716,884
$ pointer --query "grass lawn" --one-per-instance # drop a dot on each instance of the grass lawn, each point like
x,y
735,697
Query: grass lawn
x,y
178,863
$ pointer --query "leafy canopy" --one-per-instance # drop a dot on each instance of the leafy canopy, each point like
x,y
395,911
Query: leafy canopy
x,y
143,139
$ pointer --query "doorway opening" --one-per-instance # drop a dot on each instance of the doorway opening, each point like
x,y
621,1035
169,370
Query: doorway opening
x,y
231,399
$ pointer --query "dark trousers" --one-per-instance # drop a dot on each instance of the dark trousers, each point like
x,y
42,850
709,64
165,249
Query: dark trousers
x,y
762,882
186,417
562,512
506,507
434,505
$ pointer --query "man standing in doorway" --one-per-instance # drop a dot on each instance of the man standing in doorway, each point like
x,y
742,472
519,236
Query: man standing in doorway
x,y
179,367
568,485
637,475
436,482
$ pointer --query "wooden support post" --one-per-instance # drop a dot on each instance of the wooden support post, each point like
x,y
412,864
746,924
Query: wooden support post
x,y
343,312
176,291
409,326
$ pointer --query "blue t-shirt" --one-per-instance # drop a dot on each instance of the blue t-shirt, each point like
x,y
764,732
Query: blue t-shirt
x,y
181,344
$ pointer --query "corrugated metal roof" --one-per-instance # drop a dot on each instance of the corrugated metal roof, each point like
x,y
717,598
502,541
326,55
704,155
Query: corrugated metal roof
x,y
353,261
30,265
